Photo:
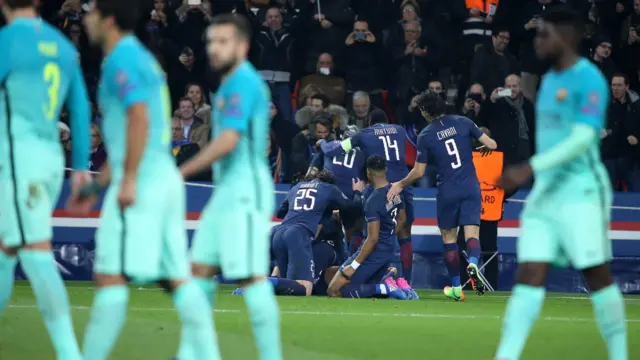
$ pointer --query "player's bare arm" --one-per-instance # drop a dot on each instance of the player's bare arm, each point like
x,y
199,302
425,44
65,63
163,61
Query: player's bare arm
x,y
373,233
137,129
576,144
416,173
488,142
216,150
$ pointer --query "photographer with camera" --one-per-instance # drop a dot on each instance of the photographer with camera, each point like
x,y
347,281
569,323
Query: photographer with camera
x,y
474,103
363,61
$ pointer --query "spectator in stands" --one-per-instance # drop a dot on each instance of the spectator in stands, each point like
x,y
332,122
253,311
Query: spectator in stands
x,y
602,57
362,63
187,115
413,62
272,51
619,138
361,108
195,92
182,68
410,12
510,121
326,81
304,144
71,11
283,132
437,87
319,103
65,139
98,153
631,45
181,148
327,30
492,63
476,29
161,19
473,104
525,31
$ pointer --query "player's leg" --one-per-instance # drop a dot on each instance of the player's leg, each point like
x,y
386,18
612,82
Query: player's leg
x,y
360,286
109,310
589,250
246,260
404,235
537,247
32,195
190,301
448,210
288,283
470,209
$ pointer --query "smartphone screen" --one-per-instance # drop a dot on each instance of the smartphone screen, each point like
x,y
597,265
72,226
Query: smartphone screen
x,y
194,2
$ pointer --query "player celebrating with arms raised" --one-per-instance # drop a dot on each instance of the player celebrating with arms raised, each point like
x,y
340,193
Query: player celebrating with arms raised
x,y
233,233
449,139
567,213
38,71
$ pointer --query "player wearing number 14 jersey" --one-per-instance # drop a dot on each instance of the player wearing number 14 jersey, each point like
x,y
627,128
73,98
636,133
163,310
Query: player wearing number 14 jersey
x,y
449,140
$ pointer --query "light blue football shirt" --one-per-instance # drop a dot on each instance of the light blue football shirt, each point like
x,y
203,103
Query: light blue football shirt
x,y
131,75
579,94
39,72
242,104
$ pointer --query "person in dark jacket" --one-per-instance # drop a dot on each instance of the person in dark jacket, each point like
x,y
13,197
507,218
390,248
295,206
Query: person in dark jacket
x,y
327,28
304,145
283,133
363,63
601,56
182,149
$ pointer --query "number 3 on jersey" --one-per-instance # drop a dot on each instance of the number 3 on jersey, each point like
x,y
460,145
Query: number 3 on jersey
x,y
394,213
51,75
308,194
452,149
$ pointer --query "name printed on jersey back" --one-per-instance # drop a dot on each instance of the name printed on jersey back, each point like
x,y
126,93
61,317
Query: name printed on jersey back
x,y
447,133
393,203
385,131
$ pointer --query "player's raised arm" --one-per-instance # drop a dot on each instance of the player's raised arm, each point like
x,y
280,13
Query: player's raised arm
x,y
332,148
80,113
235,121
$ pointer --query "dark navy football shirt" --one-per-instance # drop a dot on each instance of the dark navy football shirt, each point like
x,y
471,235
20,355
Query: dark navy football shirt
x,y
449,141
378,208
344,167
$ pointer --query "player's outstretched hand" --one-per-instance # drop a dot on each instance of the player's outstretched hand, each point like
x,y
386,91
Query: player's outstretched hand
x,y
394,191
515,176
82,201
127,194
348,272
358,185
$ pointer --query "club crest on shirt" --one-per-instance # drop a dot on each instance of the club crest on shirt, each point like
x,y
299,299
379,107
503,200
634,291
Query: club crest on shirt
x,y
593,98
562,94
34,195
220,103
121,78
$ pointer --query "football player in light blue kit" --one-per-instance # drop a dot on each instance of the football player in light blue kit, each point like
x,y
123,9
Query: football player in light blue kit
x,y
38,72
566,217
141,236
233,233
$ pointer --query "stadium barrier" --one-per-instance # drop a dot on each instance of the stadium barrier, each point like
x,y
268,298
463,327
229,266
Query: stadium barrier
x,y
74,240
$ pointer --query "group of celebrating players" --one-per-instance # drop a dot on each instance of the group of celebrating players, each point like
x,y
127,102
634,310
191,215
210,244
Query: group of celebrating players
x,y
144,205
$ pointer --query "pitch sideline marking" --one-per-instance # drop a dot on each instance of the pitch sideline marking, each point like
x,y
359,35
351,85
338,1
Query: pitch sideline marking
x,y
338,313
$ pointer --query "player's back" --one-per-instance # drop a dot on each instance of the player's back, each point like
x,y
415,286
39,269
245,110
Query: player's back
x,y
377,207
244,95
308,201
388,141
576,95
41,63
449,142
344,168
131,75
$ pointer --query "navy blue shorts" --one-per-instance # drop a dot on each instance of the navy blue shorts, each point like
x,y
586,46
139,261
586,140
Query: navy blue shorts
x,y
458,207
372,270
291,248
324,257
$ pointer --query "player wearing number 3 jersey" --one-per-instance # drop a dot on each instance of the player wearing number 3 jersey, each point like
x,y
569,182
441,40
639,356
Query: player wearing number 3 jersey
x,y
449,140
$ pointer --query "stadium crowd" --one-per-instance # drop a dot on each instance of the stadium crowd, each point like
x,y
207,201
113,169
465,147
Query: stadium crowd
x,y
331,63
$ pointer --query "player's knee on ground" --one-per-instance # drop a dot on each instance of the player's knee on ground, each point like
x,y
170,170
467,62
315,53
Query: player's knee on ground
x,y
308,286
337,282
533,274
449,236
104,280
204,270
598,277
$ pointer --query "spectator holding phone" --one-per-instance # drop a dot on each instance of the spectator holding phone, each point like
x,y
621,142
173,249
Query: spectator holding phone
x,y
510,119
474,103
363,63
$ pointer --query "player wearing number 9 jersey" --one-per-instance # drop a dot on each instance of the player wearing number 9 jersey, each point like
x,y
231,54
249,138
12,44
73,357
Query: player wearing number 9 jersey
x,y
39,72
449,139
388,141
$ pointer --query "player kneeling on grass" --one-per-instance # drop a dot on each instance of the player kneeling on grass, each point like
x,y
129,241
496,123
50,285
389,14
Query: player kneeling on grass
x,y
367,273
305,205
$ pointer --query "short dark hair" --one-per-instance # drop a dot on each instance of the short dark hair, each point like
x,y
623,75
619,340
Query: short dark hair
x,y
19,4
564,15
124,12
622,75
376,163
239,22
499,29
184,98
325,100
431,102
378,116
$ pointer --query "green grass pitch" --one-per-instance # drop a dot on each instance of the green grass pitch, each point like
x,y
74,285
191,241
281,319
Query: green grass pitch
x,y
318,328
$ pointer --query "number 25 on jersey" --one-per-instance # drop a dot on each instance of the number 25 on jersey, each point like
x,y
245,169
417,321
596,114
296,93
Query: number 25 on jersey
x,y
307,199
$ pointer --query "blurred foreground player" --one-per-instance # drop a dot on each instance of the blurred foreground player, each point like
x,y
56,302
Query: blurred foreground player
x,y
388,141
233,233
143,209
566,218
449,139
367,273
39,72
